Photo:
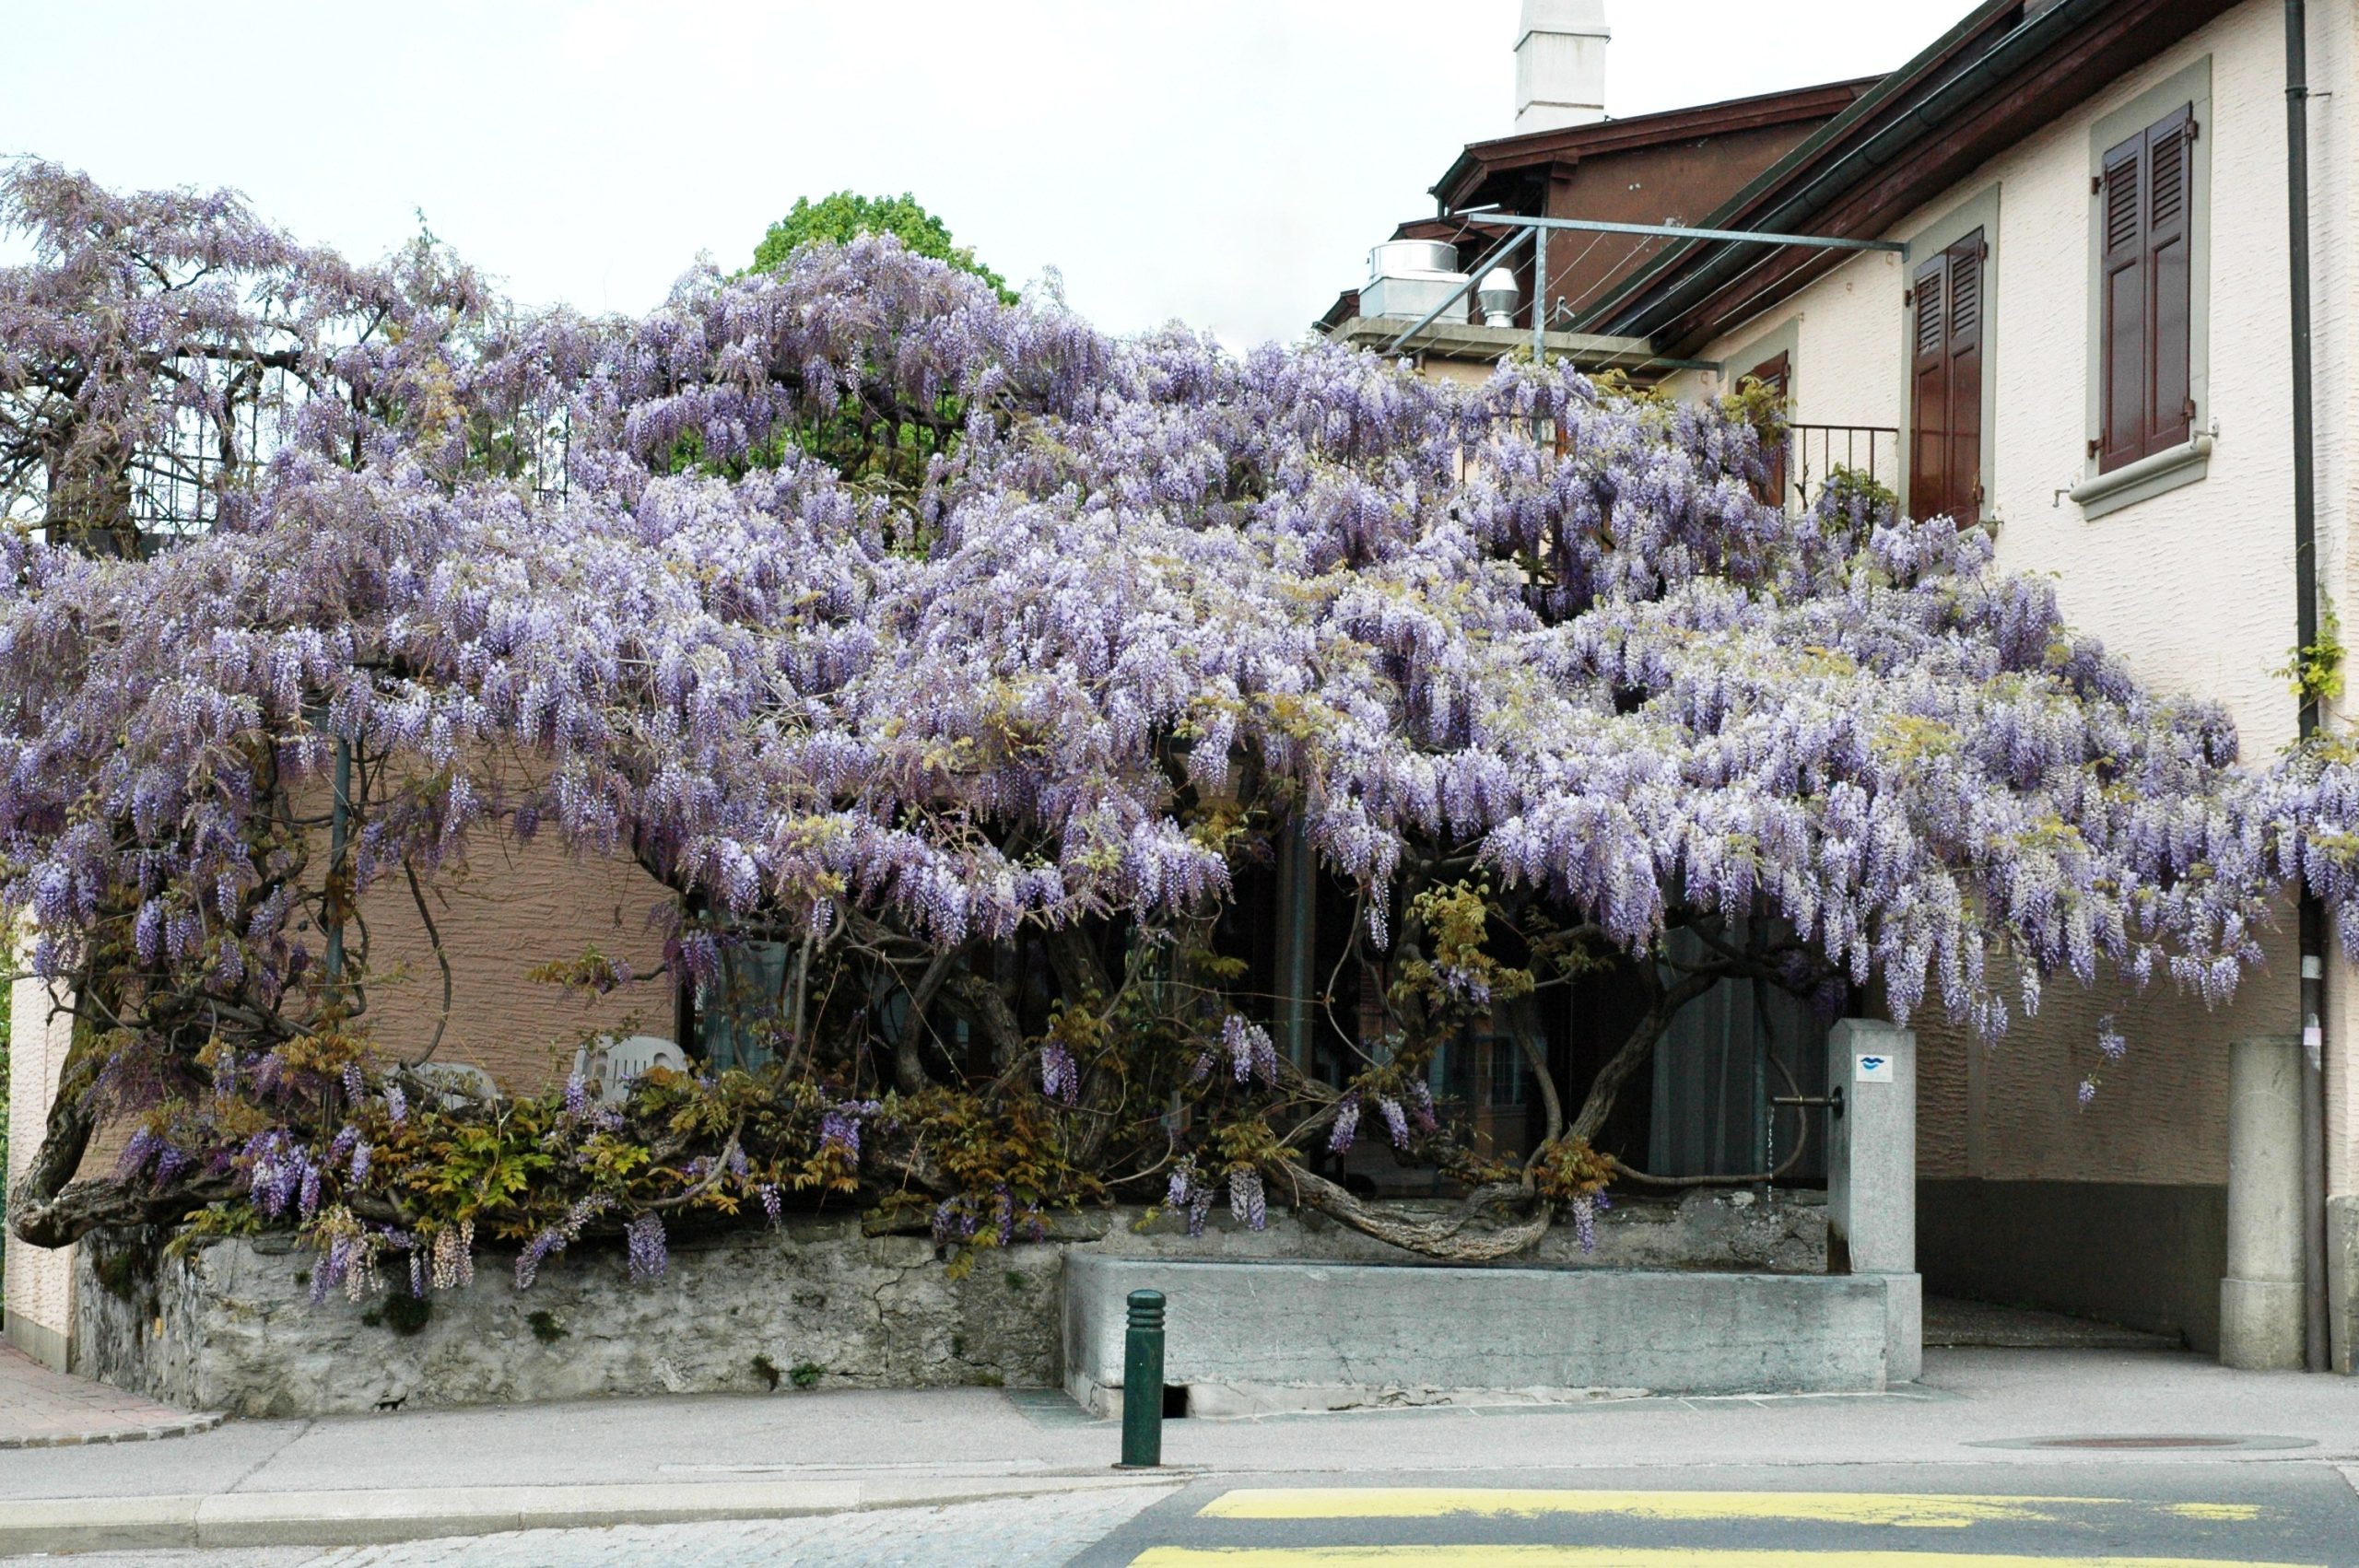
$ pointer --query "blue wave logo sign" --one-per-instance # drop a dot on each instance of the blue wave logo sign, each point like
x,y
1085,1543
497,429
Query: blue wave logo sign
x,y
1873,1070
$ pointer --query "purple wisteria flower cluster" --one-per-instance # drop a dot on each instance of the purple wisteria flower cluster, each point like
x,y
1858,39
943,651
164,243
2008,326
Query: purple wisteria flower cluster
x,y
870,610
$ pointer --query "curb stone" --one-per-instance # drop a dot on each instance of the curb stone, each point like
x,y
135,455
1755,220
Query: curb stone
x,y
203,1420
384,1516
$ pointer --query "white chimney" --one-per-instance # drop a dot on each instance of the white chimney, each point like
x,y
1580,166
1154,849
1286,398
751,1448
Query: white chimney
x,y
1560,65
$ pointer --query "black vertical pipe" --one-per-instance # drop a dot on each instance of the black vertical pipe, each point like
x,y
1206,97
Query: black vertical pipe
x,y
339,829
2305,589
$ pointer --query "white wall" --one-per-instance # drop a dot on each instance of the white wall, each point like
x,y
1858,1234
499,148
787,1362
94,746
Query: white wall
x,y
39,1281
2193,589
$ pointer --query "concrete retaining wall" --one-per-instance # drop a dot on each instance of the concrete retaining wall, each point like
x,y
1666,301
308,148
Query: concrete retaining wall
x,y
233,1329
1245,1336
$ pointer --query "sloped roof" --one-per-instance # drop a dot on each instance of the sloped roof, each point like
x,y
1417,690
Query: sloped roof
x,y
1995,78
1479,162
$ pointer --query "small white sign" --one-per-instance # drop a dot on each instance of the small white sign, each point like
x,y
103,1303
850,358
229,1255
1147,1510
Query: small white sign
x,y
1873,1070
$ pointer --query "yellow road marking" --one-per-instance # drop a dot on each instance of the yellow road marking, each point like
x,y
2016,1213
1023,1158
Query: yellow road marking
x,y
1631,1557
1927,1511
2240,1512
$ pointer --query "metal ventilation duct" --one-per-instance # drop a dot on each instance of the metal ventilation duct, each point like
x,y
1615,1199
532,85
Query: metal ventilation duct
x,y
1409,277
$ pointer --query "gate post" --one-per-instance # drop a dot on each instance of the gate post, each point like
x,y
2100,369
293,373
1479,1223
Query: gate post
x,y
1872,1176
2261,1297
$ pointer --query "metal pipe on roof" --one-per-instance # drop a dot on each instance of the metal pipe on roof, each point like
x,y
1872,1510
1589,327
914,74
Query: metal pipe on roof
x,y
1682,231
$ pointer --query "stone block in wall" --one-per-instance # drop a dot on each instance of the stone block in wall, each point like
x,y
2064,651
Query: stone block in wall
x,y
233,1326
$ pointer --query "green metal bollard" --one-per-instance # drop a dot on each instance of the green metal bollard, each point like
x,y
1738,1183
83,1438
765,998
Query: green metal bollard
x,y
1142,1383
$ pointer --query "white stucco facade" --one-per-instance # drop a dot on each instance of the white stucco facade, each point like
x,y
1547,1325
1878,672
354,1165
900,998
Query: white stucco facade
x,y
2192,588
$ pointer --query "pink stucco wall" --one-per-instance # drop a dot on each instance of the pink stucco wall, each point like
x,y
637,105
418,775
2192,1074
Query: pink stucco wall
x,y
510,909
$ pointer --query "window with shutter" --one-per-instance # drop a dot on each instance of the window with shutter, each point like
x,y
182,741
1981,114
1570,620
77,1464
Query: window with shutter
x,y
2146,403
1778,375
1946,400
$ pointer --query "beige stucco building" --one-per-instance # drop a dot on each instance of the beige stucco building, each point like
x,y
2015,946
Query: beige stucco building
x,y
2076,330
2022,213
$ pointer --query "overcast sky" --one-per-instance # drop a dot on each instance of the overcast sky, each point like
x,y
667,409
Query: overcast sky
x,y
1227,162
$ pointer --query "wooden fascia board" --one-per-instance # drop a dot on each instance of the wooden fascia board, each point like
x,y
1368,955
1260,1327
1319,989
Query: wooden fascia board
x,y
1482,162
1868,114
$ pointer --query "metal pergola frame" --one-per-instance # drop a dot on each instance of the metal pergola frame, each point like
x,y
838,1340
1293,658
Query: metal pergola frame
x,y
1534,231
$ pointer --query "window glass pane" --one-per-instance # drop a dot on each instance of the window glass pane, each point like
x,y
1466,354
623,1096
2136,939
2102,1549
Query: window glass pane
x,y
741,1022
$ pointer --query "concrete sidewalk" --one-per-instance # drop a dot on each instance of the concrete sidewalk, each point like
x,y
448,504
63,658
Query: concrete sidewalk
x,y
414,1474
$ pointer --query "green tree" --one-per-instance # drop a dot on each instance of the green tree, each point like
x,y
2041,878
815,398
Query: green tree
x,y
841,218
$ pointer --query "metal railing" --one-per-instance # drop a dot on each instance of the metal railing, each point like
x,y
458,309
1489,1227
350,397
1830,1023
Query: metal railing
x,y
1535,231
178,484
1814,451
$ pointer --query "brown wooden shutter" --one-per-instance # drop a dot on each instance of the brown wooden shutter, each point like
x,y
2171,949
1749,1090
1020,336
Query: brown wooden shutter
x,y
1964,352
2169,279
2121,420
1945,395
2147,189
1929,446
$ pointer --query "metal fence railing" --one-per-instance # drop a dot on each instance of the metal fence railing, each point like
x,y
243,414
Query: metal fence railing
x,y
1814,451
174,486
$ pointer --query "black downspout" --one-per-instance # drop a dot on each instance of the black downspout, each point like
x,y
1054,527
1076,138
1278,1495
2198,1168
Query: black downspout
x,y
2305,590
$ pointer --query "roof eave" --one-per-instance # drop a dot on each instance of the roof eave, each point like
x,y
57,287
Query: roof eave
x,y
1479,161
1926,63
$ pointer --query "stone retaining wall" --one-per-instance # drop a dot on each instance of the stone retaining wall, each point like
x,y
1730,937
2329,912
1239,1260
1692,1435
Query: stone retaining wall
x,y
811,1303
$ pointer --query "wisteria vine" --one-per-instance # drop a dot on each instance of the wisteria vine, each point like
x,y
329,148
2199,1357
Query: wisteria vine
x,y
972,658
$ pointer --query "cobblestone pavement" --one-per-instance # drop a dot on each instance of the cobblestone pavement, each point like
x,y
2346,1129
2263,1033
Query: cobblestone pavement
x,y
2290,1514
41,1409
1025,1530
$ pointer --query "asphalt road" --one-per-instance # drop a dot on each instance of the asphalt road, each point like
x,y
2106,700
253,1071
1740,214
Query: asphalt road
x,y
1978,1515
2130,1515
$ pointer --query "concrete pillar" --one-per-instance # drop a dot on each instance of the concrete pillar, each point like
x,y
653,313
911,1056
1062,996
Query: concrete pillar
x,y
2342,1284
2342,1158
1872,1174
2260,1299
